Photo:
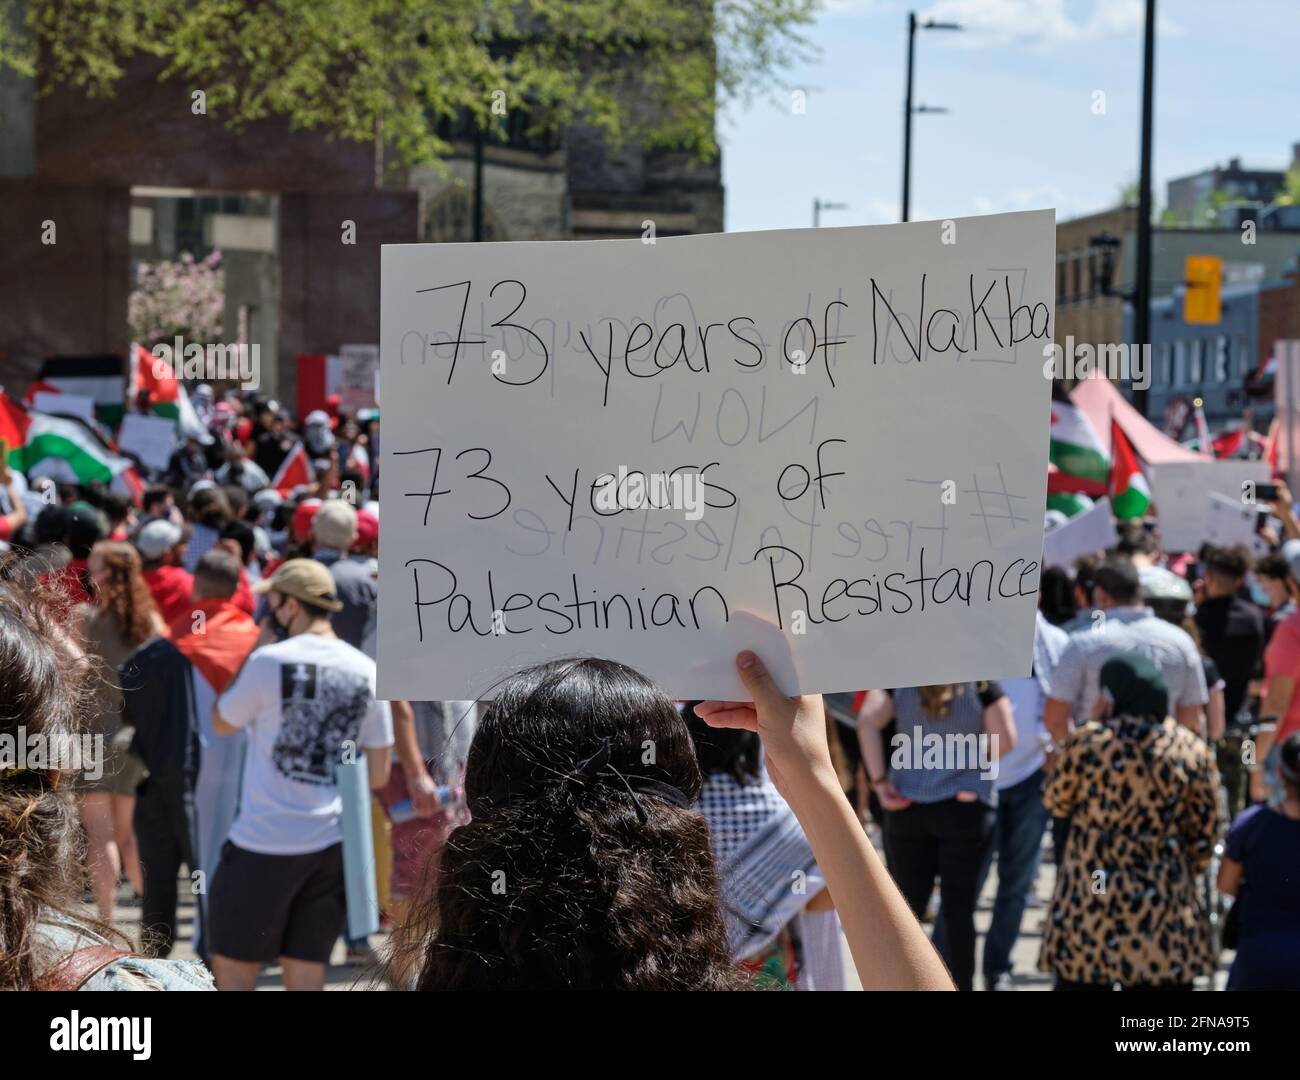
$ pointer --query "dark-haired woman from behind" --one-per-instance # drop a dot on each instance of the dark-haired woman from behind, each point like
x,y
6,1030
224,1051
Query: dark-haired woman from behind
x,y
1261,868
45,943
584,866
780,920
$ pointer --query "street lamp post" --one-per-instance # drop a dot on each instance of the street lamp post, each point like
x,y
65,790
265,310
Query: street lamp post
x,y
819,206
912,27
478,185
1142,282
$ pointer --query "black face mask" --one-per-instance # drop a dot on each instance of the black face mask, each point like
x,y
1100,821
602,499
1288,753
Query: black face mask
x,y
278,629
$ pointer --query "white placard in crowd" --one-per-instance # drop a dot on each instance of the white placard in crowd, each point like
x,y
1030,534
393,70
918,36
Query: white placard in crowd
x,y
357,367
82,406
150,438
845,431
1180,489
1230,521
1093,530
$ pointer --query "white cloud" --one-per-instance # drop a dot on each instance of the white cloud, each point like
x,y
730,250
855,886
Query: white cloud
x,y
1042,23
848,7
881,211
1042,196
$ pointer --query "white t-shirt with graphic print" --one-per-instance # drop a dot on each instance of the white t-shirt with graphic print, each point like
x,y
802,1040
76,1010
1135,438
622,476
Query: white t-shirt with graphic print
x,y
300,701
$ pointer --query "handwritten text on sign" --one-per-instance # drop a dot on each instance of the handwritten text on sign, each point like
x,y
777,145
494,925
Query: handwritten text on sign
x,y
826,445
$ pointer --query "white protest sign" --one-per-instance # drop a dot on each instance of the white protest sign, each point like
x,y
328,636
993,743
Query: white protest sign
x,y
826,445
358,365
150,438
1093,530
1180,489
82,406
1230,521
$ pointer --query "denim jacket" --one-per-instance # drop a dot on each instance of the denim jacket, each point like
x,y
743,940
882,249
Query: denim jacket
x,y
60,935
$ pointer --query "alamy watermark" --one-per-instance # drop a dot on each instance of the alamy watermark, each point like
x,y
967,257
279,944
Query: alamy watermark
x,y
240,363
949,752
1115,362
631,489
21,751
129,1034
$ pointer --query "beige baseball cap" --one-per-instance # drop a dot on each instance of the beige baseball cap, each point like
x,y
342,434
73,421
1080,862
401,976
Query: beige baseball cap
x,y
306,580
335,524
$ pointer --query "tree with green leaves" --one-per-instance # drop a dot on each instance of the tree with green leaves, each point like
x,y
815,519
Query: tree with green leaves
x,y
1290,194
392,72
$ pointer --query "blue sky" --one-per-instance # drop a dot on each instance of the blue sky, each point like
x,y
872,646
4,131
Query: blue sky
x,y
1020,83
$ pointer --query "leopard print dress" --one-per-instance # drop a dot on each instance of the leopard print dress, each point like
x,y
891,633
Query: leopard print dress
x,y
1143,800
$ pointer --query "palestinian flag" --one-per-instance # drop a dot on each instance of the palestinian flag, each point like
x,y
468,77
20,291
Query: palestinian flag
x,y
228,635
59,447
1075,449
154,379
54,402
154,385
1129,494
1231,444
295,471
97,377
1070,503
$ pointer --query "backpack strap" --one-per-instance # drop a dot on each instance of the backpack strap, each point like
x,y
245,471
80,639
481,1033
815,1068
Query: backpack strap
x,y
79,967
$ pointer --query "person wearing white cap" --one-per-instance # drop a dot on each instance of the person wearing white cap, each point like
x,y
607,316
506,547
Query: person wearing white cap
x,y
333,530
265,504
162,550
316,433
203,402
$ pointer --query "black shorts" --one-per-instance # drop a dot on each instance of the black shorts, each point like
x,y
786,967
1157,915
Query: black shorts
x,y
265,906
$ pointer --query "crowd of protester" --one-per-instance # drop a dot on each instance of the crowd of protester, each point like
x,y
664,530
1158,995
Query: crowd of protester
x,y
219,640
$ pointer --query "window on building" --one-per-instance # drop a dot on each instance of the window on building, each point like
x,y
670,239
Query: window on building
x,y
1163,373
1061,296
1180,364
1196,362
1222,356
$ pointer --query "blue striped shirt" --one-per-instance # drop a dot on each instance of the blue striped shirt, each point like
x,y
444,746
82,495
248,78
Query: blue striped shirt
x,y
933,758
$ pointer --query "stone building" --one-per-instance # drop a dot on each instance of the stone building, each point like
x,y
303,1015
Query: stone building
x,y
1188,195
140,177
1083,309
1213,362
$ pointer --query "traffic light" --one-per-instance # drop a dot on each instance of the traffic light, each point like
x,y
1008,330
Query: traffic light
x,y
1204,279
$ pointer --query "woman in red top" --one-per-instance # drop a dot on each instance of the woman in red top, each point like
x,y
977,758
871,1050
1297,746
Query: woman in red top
x,y
1279,712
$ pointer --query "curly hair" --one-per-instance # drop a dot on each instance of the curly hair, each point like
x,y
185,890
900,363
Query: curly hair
x,y
560,884
43,692
125,593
